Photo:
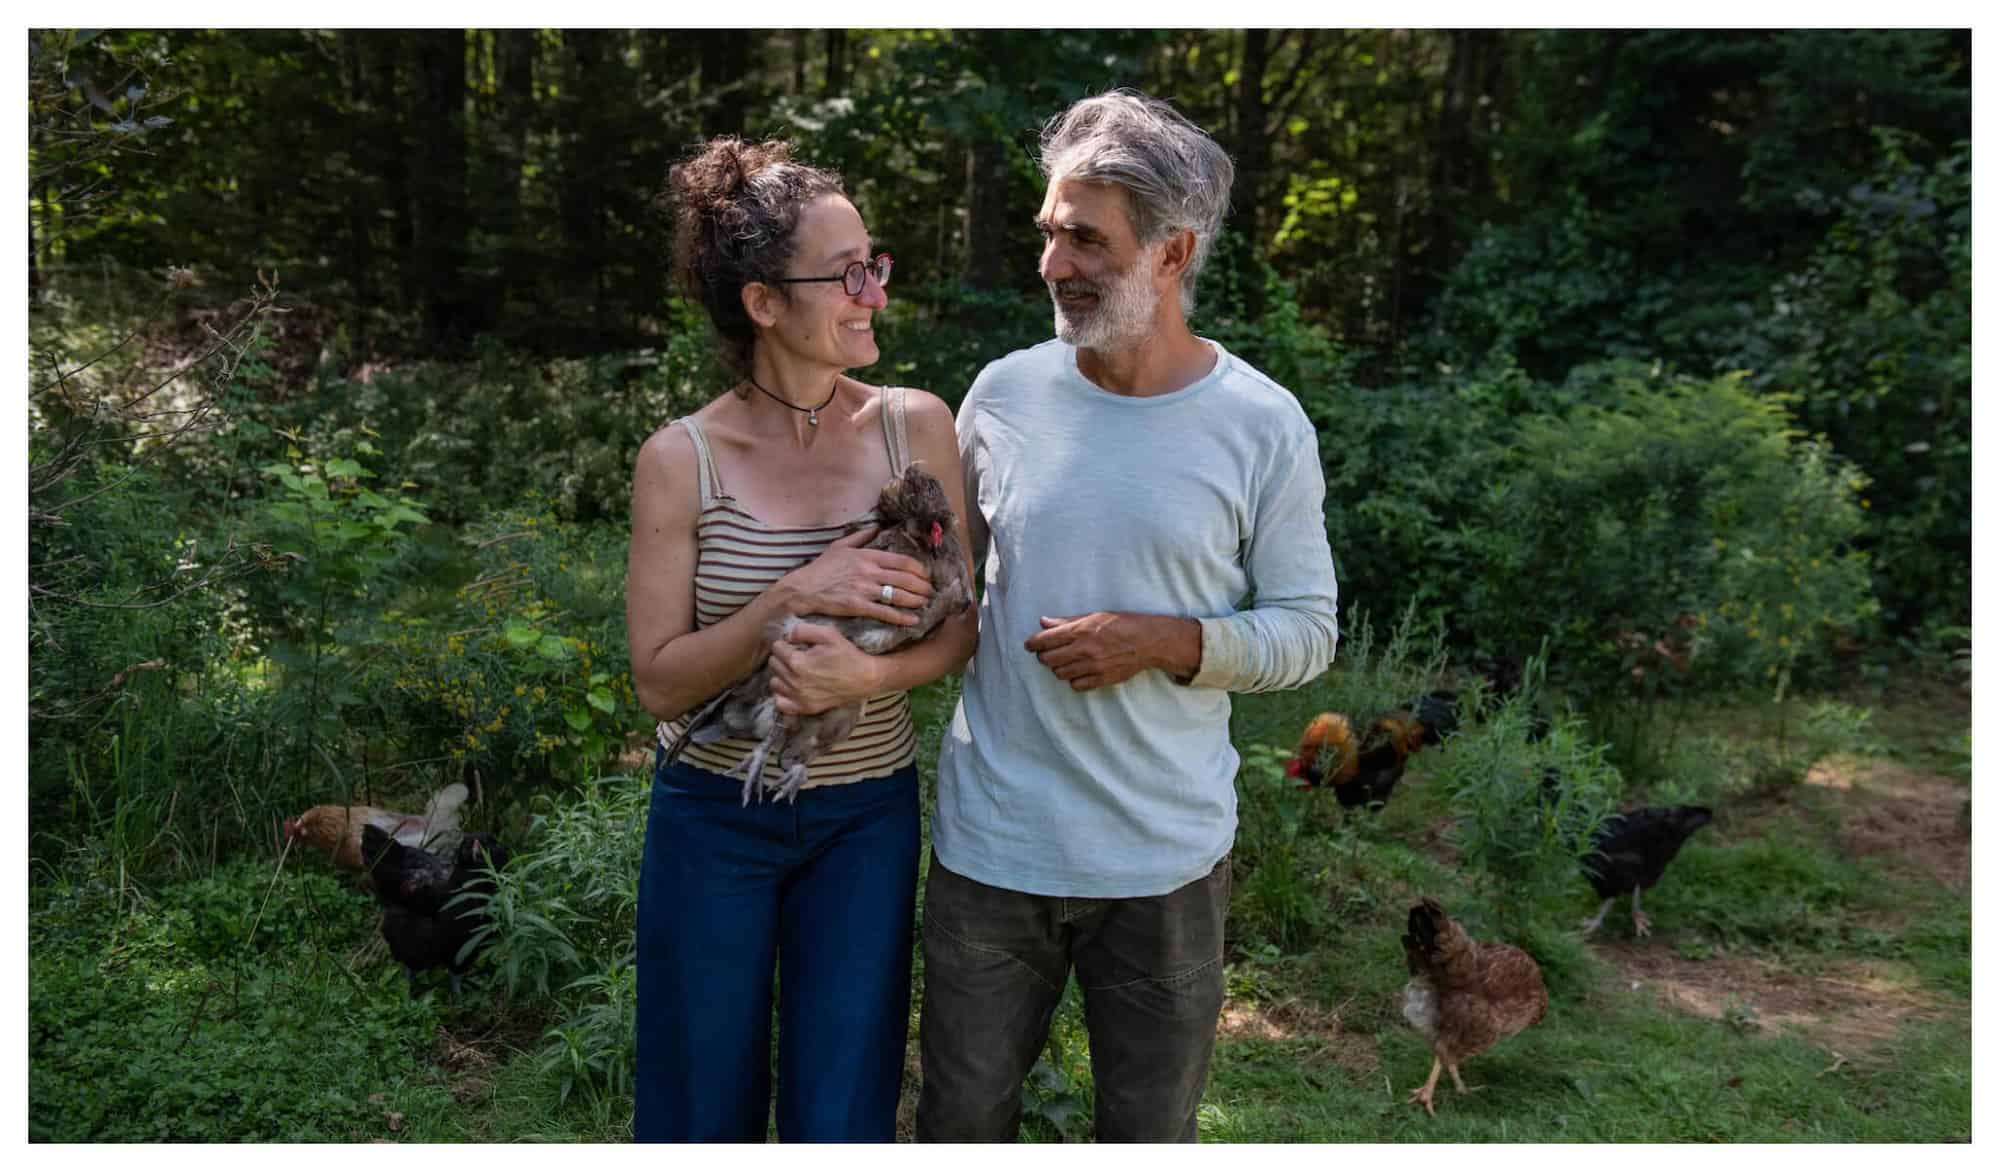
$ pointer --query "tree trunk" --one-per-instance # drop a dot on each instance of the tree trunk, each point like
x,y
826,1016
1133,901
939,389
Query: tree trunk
x,y
583,168
513,110
1460,176
439,162
987,262
836,62
1253,153
725,80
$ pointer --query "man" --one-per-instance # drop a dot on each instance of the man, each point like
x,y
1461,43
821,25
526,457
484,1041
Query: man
x,y
1129,485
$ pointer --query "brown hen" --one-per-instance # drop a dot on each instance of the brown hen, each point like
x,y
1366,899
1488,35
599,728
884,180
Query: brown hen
x,y
1464,995
336,830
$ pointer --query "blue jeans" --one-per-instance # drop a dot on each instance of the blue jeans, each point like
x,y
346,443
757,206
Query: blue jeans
x,y
823,890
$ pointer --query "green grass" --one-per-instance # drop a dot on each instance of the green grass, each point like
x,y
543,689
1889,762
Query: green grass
x,y
223,1007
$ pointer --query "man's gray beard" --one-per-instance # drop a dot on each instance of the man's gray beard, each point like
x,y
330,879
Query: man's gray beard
x,y
1124,316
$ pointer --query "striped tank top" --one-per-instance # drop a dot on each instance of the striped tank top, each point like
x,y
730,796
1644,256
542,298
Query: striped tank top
x,y
737,558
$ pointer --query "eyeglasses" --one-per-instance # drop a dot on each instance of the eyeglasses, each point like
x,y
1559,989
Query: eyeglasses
x,y
853,278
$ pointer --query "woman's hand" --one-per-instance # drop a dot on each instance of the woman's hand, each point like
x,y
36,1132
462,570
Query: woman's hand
x,y
816,669
846,581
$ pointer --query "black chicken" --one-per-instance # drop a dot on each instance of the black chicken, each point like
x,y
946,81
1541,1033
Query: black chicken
x,y
424,928
1437,712
915,518
1631,852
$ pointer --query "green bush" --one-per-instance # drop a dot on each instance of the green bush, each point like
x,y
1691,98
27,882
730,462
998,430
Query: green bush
x,y
1873,341
564,918
1524,810
522,671
939,336
1404,467
1684,521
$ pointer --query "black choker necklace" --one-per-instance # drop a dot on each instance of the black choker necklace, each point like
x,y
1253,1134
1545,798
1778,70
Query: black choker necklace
x,y
811,413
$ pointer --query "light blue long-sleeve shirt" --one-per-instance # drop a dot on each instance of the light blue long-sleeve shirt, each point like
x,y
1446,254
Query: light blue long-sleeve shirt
x,y
1206,502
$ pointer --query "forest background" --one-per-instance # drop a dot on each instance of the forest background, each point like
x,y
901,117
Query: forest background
x,y
1641,354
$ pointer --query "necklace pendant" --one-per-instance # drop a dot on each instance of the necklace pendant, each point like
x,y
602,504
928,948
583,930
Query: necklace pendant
x,y
812,417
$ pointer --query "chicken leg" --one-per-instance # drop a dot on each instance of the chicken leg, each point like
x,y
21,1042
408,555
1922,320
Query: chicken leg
x,y
1642,925
1424,1093
1595,922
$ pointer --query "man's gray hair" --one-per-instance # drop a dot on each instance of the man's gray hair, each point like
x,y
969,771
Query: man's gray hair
x,y
1177,176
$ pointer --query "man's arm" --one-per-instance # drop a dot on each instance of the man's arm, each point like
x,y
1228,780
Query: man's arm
x,y
1288,635
1285,639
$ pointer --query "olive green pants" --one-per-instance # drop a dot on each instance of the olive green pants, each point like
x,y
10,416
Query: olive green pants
x,y
995,962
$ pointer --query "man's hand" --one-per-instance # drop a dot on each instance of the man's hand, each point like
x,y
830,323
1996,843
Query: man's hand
x,y
1110,647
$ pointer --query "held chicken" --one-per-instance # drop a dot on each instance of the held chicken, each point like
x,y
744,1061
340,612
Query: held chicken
x,y
423,926
915,520
336,830
1464,995
1631,851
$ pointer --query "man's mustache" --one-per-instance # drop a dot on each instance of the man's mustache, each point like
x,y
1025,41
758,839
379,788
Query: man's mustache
x,y
1075,287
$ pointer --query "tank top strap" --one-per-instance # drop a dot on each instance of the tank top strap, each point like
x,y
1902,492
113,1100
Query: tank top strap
x,y
711,482
895,430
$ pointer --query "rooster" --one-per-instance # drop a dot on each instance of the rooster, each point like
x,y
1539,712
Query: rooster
x,y
336,830
1631,851
424,927
1463,995
1365,774
916,520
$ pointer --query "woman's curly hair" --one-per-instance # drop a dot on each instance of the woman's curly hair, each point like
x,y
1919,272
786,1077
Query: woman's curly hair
x,y
736,208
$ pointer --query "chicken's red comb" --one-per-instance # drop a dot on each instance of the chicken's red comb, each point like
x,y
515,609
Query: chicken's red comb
x,y
937,534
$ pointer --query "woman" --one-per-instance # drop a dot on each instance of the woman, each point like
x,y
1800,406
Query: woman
x,y
738,515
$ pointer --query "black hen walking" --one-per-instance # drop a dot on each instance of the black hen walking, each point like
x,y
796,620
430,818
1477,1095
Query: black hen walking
x,y
424,928
1631,852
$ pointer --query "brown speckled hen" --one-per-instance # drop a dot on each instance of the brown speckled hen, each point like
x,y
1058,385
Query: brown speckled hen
x,y
1464,995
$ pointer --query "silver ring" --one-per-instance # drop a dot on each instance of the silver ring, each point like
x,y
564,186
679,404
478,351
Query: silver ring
x,y
888,594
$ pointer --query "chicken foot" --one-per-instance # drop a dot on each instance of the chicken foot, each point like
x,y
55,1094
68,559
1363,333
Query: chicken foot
x,y
1642,925
1424,1093
1593,923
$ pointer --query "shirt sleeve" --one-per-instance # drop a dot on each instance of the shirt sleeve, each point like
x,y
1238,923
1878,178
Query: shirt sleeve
x,y
1288,635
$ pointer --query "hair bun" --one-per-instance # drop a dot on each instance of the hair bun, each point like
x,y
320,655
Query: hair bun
x,y
735,205
714,179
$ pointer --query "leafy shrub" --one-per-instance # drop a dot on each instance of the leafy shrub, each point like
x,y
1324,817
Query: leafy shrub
x,y
1665,505
485,433
939,336
1872,339
1280,900
1405,468
1287,840
1524,811
563,921
523,669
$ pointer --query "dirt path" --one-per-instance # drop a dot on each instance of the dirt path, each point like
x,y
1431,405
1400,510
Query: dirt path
x,y
1913,822
1851,1007
1910,822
